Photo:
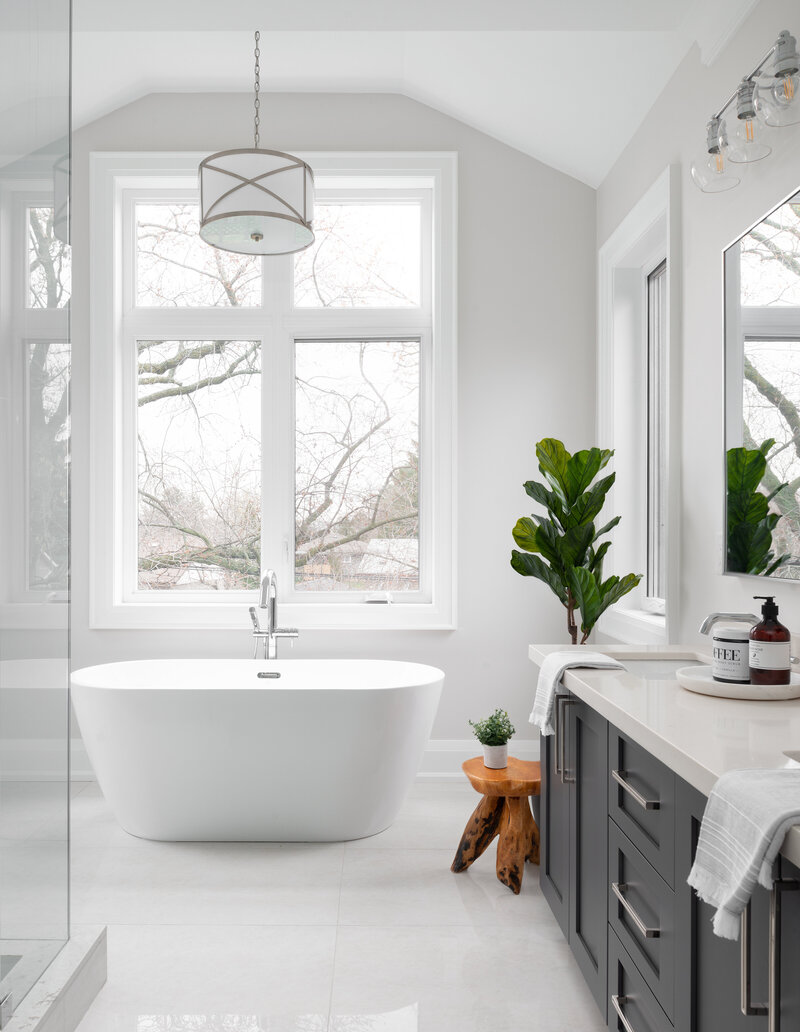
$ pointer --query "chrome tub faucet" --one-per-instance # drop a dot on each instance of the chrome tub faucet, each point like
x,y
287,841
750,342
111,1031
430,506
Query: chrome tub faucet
x,y
266,638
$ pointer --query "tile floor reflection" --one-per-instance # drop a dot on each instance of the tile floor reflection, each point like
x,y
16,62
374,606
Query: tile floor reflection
x,y
369,936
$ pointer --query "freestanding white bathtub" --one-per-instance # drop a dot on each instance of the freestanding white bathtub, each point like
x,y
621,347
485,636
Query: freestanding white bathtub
x,y
206,749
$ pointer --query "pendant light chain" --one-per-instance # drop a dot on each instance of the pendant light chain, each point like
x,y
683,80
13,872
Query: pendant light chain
x,y
257,99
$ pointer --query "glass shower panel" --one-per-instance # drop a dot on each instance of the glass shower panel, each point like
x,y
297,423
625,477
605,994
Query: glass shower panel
x,y
35,288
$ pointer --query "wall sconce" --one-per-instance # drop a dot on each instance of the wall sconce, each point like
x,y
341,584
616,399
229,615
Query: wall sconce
x,y
761,99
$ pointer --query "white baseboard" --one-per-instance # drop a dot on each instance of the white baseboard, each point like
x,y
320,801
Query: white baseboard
x,y
43,759
443,757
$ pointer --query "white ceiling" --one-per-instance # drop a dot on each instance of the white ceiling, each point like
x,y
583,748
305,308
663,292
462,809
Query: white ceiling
x,y
566,83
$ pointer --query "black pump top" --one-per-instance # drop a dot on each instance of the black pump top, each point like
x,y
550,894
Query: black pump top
x,y
769,610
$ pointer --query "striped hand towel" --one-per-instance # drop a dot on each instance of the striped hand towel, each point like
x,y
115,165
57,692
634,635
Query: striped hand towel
x,y
745,822
550,674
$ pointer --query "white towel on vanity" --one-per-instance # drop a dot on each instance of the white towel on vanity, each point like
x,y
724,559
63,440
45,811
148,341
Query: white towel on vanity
x,y
745,822
550,674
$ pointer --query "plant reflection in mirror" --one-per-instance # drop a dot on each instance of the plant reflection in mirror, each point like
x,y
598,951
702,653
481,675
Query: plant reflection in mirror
x,y
750,520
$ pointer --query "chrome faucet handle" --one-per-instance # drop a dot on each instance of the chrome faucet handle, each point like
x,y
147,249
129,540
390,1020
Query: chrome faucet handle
x,y
286,632
708,623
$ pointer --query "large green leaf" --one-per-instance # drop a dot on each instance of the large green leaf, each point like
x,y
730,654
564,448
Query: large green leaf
x,y
549,499
553,458
533,566
589,504
593,597
745,507
574,545
746,467
524,533
581,469
596,559
586,593
564,550
608,526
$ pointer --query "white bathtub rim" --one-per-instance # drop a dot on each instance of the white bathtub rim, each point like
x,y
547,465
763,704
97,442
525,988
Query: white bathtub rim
x,y
296,674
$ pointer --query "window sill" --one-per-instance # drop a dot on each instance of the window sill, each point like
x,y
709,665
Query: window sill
x,y
634,627
176,616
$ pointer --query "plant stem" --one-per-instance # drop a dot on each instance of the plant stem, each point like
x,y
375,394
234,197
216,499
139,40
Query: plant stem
x,y
572,627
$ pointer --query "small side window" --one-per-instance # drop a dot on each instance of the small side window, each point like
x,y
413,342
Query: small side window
x,y
655,590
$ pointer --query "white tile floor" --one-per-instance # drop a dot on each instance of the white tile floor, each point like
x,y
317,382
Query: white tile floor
x,y
369,936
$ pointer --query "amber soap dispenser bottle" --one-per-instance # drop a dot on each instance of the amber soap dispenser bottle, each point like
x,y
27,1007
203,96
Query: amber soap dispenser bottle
x,y
770,647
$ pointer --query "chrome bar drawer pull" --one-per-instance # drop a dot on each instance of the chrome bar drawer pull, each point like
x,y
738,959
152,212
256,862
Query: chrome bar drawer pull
x,y
616,1003
559,737
646,804
649,933
566,700
749,1009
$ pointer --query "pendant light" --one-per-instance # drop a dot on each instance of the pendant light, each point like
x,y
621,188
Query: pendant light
x,y
255,201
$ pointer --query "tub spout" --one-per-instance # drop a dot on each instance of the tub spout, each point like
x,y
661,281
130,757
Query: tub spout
x,y
267,637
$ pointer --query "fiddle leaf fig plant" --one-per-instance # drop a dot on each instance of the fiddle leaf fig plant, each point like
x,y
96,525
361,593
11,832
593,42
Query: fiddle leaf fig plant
x,y
561,548
750,522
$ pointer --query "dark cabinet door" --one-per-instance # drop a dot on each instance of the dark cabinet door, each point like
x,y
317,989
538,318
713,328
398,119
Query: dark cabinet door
x,y
790,949
586,768
708,969
554,832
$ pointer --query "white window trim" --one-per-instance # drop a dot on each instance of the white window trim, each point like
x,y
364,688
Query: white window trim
x,y
112,173
651,226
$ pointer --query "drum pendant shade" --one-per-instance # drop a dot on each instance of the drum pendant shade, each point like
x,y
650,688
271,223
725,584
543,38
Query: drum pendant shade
x,y
256,202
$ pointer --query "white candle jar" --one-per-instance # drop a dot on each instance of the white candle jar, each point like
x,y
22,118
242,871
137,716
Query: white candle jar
x,y
731,654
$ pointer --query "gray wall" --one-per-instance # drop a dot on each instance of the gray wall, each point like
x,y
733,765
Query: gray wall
x,y
526,286
674,132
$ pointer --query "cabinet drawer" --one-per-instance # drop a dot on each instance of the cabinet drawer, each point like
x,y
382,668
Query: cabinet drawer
x,y
629,995
641,911
641,801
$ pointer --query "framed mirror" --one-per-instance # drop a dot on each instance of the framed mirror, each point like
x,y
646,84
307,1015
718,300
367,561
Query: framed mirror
x,y
762,396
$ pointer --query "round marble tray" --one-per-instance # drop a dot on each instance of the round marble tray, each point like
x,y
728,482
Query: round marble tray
x,y
698,679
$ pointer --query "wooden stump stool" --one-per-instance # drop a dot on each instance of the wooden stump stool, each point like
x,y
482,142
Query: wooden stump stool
x,y
504,811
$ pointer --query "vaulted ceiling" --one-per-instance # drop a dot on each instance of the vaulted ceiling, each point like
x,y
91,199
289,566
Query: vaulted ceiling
x,y
565,83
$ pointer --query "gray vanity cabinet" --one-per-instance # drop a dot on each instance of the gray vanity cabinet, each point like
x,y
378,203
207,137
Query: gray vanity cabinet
x,y
619,832
573,828
708,969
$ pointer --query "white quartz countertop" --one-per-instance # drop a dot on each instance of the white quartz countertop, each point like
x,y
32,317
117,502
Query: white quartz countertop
x,y
697,736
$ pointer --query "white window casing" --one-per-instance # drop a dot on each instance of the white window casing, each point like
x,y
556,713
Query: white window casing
x,y
118,180
649,234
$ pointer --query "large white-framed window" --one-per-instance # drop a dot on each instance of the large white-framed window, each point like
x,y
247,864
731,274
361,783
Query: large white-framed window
x,y
35,288
637,396
287,412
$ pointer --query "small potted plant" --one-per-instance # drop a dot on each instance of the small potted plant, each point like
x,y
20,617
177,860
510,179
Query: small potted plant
x,y
493,733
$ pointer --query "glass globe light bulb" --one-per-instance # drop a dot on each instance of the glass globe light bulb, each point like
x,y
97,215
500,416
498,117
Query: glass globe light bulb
x,y
777,96
745,143
710,172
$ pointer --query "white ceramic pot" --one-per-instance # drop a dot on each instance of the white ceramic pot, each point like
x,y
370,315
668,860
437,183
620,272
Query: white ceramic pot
x,y
495,756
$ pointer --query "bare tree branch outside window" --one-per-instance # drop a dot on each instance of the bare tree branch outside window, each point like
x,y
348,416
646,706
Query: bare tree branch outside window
x,y
199,405
47,410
